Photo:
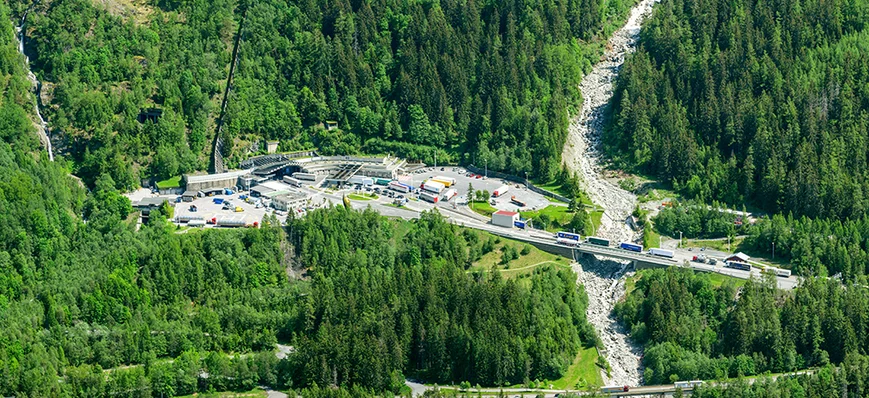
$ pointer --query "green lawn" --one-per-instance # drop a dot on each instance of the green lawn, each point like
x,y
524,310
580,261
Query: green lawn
x,y
561,216
555,187
523,265
354,196
720,245
171,182
582,373
229,394
483,208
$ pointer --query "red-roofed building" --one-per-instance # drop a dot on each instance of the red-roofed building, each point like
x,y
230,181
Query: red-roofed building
x,y
503,218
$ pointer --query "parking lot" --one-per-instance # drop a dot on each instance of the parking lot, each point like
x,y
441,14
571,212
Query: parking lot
x,y
532,200
207,209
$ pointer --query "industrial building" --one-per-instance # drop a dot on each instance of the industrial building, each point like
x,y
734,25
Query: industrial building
x,y
503,218
285,202
207,181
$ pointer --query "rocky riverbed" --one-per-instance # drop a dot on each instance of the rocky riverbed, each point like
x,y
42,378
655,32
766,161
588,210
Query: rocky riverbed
x,y
604,279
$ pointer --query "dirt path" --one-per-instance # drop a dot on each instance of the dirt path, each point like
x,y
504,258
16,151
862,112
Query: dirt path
x,y
603,279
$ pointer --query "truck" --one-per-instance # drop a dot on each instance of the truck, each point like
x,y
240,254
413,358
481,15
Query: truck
x,y
449,194
517,202
382,181
232,223
432,186
567,238
238,209
292,181
500,191
447,181
305,176
187,219
429,197
227,191
196,223
597,241
218,201
784,273
397,186
661,252
608,389
631,246
688,384
738,265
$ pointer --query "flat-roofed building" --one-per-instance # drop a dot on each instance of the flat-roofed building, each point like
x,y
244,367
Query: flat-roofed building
x,y
207,181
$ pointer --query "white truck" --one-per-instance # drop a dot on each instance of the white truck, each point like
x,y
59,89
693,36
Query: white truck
x,y
433,186
449,194
661,252
500,191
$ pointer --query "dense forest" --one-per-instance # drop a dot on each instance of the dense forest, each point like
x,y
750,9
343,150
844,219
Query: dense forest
x,y
693,329
751,100
408,78
379,310
92,307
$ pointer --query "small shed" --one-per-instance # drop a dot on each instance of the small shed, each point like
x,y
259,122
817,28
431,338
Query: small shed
x,y
504,218
189,196
272,146
741,257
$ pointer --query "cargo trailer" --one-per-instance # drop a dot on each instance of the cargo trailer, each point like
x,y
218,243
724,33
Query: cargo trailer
x,y
567,238
433,186
738,265
500,191
597,241
397,186
447,181
429,197
449,194
631,246
292,181
661,252
382,181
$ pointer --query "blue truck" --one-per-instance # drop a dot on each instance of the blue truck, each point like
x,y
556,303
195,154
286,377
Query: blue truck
x,y
630,246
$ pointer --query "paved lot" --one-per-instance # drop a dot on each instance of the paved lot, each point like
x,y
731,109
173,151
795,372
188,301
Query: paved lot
x,y
207,209
532,200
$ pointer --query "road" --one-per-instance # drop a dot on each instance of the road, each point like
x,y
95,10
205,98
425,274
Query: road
x,y
464,216
665,389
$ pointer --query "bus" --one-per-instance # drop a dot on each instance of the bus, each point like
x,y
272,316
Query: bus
x,y
597,241
567,238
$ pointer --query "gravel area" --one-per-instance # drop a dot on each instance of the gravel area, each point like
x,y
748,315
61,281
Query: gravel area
x,y
604,279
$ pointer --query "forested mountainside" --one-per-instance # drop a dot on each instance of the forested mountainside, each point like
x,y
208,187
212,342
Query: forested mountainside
x,y
95,308
409,78
379,310
693,329
751,100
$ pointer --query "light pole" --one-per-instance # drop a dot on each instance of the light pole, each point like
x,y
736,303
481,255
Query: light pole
x,y
680,239
526,179
487,168
773,250
660,241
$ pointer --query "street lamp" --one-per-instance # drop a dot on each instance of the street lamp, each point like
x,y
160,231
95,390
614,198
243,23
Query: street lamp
x,y
773,250
680,239
487,168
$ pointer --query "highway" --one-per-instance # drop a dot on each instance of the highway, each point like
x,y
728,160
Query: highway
x,y
464,216
656,390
